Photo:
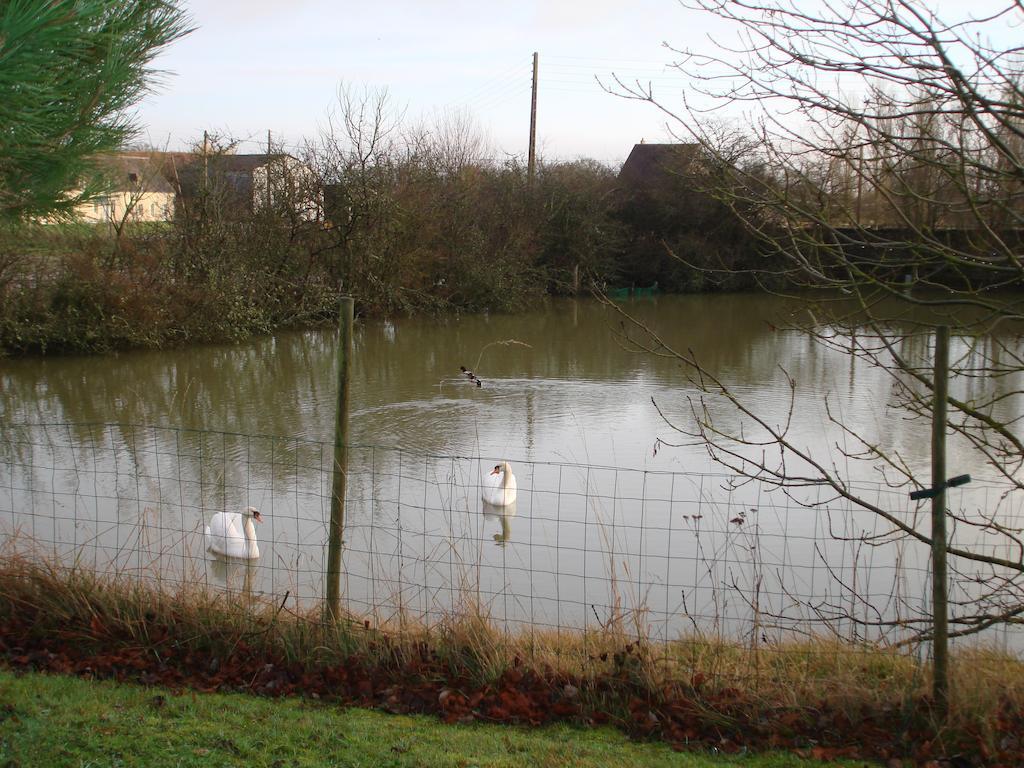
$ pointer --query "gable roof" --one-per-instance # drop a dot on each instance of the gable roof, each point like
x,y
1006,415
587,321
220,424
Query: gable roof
x,y
649,164
135,170
123,163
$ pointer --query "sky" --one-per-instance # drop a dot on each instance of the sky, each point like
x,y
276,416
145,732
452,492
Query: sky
x,y
256,65
253,66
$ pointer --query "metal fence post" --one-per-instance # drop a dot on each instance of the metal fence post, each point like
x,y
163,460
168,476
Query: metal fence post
x,y
340,473
940,619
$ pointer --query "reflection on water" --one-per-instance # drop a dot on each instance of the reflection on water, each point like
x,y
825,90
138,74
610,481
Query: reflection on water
x,y
503,517
573,394
582,543
233,575
250,424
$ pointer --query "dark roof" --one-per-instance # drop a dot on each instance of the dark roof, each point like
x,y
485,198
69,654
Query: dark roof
x,y
135,162
243,163
649,164
233,172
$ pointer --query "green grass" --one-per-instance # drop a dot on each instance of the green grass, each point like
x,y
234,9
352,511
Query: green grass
x,y
63,721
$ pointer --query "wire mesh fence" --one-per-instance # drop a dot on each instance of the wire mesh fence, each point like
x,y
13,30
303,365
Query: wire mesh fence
x,y
659,554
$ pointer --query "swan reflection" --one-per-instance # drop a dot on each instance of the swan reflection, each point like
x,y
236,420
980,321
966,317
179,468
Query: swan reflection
x,y
503,516
232,574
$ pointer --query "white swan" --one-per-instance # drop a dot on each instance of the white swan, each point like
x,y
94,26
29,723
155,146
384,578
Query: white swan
x,y
499,486
232,534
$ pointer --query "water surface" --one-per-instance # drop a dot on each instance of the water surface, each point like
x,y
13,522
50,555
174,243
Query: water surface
x,y
617,509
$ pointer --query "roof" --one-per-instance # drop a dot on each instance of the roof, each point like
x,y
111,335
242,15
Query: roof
x,y
158,169
234,172
649,164
136,170
244,163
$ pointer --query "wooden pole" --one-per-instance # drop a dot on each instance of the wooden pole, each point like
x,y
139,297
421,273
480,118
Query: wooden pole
x,y
340,474
206,161
940,607
860,181
531,163
268,168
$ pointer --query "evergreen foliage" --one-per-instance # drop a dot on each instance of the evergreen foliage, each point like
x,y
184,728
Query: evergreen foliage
x,y
69,72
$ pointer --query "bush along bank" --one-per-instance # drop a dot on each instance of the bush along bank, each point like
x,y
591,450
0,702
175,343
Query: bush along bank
x,y
410,230
403,239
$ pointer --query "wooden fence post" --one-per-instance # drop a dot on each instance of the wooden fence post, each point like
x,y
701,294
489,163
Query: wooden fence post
x,y
340,473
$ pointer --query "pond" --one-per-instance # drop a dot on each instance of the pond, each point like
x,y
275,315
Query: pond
x,y
618,514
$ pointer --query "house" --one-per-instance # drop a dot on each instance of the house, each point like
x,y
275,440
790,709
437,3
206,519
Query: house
x,y
661,189
139,190
653,167
155,186
679,233
247,182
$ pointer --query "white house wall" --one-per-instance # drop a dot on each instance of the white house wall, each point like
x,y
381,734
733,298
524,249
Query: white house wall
x,y
290,181
149,206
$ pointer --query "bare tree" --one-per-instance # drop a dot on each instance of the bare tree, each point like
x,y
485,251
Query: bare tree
x,y
889,170
458,141
140,176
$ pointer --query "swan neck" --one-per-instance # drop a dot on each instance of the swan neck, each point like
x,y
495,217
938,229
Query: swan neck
x,y
250,538
505,475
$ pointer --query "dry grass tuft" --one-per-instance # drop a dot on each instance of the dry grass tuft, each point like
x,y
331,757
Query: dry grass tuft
x,y
725,688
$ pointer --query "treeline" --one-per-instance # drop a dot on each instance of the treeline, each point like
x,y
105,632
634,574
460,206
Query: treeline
x,y
404,219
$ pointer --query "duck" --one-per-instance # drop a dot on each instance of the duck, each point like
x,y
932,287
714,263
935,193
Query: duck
x,y
232,534
499,486
471,376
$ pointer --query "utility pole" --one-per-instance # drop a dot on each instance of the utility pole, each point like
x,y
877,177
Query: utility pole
x,y
268,168
206,161
531,163
860,180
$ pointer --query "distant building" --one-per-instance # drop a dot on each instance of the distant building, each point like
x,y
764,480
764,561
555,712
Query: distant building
x,y
154,186
139,190
678,233
654,167
250,182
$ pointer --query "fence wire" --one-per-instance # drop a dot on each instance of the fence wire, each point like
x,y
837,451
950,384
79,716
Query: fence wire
x,y
658,554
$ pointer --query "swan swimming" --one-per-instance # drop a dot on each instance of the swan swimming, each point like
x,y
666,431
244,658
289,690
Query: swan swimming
x,y
232,534
499,486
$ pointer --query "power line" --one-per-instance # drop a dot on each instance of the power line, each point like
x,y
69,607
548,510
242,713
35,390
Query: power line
x,y
597,58
595,81
506,76
500,96
581,69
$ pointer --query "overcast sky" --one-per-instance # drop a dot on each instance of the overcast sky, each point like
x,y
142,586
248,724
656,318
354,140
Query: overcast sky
x,y
254,65
258,65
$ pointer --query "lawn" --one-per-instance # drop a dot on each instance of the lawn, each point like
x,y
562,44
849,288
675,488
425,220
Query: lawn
x,y
50,720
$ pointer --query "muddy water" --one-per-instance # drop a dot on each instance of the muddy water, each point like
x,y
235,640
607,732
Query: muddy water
x,y
617,509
